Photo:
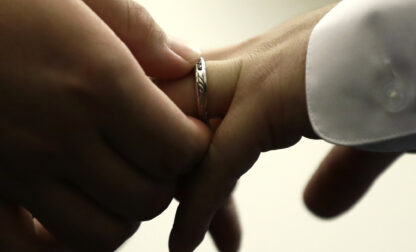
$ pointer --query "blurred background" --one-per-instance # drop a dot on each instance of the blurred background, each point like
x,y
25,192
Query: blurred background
x,y
269,196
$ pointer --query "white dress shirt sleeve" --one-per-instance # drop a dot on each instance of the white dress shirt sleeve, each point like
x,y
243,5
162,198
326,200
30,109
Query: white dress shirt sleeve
x,y
361,75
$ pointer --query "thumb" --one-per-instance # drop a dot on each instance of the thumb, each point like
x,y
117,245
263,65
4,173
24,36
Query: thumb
x,y
160,56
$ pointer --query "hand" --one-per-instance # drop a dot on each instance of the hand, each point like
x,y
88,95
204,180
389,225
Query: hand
x,y
86,139
257,90
164,58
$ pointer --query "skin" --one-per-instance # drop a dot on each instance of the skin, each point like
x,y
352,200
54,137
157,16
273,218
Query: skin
x,y
79,146
257,92
86,136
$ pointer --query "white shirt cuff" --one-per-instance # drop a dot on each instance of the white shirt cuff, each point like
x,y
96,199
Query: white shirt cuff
x,y
361,75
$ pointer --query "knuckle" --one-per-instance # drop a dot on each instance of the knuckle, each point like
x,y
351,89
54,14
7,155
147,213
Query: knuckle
x,y
103,79
139,19
102,66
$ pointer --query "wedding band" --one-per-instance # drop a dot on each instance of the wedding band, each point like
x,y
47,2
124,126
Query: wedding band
x,y
201,88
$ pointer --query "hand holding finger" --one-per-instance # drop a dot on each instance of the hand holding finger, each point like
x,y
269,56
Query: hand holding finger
x,y
262,101
77,128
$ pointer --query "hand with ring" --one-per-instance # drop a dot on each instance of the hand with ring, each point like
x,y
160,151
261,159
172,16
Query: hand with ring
x,y
256,97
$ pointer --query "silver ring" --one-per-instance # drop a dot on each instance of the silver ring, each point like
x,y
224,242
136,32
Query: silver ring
x,y
201,88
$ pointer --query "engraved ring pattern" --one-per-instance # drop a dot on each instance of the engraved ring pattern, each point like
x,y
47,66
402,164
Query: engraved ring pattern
x,y
201,89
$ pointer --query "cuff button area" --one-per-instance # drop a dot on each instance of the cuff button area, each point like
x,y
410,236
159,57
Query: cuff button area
x,y
392,92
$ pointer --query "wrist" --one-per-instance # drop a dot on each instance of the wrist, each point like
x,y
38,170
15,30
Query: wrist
x,y
292,95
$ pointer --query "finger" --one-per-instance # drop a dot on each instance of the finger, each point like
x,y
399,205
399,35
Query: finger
x,y
105,177
70,217
46,239
222,78
159,55
233,151
20,232
225,228
16,229
342,178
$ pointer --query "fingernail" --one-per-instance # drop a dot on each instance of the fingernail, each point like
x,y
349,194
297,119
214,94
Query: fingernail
x,y
185,50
